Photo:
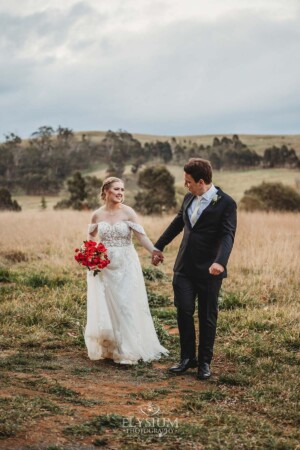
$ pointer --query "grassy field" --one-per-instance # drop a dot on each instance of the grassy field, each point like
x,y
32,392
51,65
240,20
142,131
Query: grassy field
x,y
53,397
233,182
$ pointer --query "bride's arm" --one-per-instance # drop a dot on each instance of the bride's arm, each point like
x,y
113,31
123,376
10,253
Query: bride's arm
x,y
139,231
92,228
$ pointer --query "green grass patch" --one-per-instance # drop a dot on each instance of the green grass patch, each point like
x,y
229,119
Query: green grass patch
x,y
162,334
21,362
54,447
261,326
100,442
231,300
5,276
95,426
150,394
157,300
292,343
153,274
14,411
167,316
197,401
56,389
81,371
234,379
38,280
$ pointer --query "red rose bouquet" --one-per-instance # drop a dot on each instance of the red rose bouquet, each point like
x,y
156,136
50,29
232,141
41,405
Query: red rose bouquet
x,y
92,255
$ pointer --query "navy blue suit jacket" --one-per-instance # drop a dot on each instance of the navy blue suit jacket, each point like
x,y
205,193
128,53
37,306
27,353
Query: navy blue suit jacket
x,y
210,240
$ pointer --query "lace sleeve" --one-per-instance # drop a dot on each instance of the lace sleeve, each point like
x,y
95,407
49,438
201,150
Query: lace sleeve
x,y
136,227
139,232
92,227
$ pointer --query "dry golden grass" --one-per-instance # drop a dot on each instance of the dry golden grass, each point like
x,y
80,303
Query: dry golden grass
x,y
47,238
263,268
265,256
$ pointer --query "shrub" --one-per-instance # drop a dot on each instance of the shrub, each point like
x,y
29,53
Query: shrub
x,y
271,197
83,193
152,274
158,191
6,202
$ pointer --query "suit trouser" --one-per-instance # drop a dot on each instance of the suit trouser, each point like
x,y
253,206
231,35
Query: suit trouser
x,y
186,290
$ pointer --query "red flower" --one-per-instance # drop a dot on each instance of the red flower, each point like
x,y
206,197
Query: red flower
x,y
92,255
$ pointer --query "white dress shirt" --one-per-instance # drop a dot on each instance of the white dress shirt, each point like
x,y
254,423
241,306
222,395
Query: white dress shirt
x,y
206,198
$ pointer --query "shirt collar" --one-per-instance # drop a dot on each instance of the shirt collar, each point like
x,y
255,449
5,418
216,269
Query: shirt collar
x,y
208,195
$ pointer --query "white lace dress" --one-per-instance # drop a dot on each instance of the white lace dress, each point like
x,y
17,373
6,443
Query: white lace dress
x,y
119,324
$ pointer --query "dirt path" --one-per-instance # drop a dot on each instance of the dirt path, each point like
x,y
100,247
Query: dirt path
x,y
78,390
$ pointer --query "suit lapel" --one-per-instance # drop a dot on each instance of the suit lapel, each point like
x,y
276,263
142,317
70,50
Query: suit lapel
x,y
188,204
212,204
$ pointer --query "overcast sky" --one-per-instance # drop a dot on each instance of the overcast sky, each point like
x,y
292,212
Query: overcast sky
x,y
150,66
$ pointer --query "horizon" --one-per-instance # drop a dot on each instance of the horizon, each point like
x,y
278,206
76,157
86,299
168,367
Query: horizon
x,y
156,135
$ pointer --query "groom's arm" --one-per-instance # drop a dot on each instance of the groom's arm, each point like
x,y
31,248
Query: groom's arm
x,y
227,233
175,227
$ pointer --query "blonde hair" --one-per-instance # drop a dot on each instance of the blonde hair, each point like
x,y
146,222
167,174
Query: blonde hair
x,y
106,185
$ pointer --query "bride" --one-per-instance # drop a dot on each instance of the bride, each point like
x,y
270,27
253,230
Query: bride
x,y
119,323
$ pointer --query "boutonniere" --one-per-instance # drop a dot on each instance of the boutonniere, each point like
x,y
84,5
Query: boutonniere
x,y
215,199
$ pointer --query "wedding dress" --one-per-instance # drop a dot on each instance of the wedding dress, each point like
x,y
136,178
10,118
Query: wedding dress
x,y
119,323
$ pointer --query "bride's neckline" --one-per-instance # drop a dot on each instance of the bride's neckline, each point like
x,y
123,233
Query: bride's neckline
x,y
112,224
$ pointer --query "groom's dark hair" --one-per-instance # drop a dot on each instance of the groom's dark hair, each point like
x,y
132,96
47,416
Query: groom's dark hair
x,y
199,169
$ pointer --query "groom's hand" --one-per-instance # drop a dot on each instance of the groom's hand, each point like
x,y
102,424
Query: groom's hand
x,y
157,257
216,269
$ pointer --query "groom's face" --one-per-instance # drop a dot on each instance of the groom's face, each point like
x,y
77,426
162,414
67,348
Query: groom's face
x,y
195,187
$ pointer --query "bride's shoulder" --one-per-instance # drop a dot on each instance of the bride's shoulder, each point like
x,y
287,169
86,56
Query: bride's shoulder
x,y
96,215
130,212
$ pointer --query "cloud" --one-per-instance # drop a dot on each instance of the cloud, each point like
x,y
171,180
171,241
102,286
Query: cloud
x,y
151,66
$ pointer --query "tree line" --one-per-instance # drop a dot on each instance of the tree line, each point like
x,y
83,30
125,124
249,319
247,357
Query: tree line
x,y
51,159
41,165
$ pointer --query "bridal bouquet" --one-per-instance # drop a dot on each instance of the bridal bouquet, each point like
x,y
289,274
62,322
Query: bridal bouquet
x,y
92,255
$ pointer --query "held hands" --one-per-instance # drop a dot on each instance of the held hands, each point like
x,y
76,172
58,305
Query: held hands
x,y
157,257
216,269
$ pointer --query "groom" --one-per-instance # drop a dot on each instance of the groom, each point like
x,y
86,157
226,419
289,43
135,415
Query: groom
x,y
208,217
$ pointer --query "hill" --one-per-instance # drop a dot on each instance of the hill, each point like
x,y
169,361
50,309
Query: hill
x,y
41,166
257,142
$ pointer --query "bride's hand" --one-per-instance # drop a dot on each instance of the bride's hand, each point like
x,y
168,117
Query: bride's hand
x,y
157,257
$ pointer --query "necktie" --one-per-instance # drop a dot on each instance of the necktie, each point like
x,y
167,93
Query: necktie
x,y
195,211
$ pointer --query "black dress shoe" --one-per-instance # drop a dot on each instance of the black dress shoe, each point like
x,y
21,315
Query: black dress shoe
x,y
203,371
184,365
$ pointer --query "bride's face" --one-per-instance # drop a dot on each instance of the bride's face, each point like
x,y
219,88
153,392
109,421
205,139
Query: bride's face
x,y
115,194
